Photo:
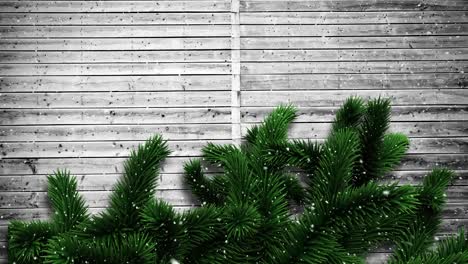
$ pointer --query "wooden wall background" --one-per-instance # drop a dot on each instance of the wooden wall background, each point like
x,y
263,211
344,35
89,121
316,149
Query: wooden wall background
x,y
82,82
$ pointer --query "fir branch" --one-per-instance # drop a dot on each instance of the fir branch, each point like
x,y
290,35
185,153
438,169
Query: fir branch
x,y
334,171
69,207
374,125
211,191
349,115
419,236
134,189
27,241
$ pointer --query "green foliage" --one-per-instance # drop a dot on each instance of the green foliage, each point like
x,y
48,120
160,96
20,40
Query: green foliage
x,y
69,206
134,189
246,214
27,241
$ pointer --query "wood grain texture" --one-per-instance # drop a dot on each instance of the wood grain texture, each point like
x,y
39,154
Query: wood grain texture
x,y
84,82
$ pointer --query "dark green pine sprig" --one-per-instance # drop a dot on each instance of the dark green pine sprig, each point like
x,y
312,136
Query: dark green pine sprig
x,y
246,214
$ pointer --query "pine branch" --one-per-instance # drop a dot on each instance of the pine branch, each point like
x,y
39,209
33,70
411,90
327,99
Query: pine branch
x,y
330,220
166,229
419,236
275,126
27,241
349,115
69,207
211,191
132,248
134,189
394,147
337,160
374,125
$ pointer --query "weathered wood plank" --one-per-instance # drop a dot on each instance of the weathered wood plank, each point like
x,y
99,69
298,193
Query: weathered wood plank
x,y
132,31
114,116
340,67
329,98
175,164
328,30
95,182
222,82
100,199
327,114
180,148
224,56
168,181
116,44
206,115
224,18
114,83
351,5
416,178
222,98
115,99
368,42
114,6
224,30
44,213
164,68
152,18
118,132
322,18
97,199
206,132
345,55
125,56
414,129
353,81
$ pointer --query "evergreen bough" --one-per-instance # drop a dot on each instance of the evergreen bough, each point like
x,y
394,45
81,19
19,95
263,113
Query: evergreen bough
x,y
246,214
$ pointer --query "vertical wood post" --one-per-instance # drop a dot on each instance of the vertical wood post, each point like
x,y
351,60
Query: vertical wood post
x,y
235,75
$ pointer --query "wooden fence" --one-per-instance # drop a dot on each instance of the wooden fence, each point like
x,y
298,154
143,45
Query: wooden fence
x,y
83,82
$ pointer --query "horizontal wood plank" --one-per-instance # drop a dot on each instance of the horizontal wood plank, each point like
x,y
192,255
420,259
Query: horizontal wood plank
x,y
329,98
336,67
206,115
120,56
153,18
337,30
115,132
123,148
114,6
115,99
351,55
356,17
115,116
353,81
129,31
102,44
114,83
6,215
351,5
163,68
399,113
414,129
368,42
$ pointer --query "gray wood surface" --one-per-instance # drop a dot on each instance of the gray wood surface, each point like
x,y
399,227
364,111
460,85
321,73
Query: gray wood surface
x,y
84,82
